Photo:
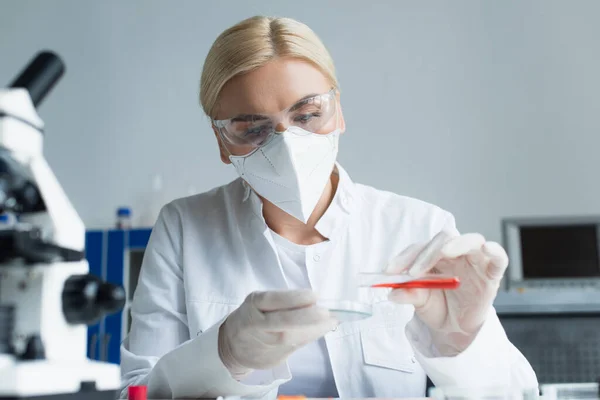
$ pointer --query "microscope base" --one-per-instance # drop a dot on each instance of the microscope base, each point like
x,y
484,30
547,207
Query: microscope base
x,y
43,379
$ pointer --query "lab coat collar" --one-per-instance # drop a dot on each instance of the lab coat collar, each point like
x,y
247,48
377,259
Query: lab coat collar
x,y
336,215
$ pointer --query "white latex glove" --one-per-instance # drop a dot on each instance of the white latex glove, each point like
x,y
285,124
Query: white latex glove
x,y
268,327
453,317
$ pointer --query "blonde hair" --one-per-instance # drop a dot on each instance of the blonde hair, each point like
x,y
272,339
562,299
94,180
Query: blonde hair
x,y
251,44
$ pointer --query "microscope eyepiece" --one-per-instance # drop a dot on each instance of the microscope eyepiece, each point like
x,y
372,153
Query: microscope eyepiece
x,y
40,76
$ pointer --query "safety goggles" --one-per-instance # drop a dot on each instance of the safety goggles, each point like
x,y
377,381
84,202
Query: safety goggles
x,y
315,114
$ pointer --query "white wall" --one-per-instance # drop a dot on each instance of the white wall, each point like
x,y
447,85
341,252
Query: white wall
x,y
488,109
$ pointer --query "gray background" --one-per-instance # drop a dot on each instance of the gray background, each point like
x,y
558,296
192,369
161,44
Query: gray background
x,y
487,109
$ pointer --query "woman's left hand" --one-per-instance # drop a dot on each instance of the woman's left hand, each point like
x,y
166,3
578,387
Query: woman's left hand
x,y
453,317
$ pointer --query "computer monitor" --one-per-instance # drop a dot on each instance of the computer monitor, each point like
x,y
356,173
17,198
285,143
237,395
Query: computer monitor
x,y
552,252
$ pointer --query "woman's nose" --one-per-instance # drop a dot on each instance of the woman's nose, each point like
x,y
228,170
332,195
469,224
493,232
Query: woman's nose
x,y
280,127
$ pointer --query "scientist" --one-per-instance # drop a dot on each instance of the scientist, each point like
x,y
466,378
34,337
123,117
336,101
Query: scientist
x,y
227,299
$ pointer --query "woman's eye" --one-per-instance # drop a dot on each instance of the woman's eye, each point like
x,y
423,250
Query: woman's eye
x,y
255,131
304,118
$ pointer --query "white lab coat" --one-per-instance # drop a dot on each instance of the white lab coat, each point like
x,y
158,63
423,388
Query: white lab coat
x,y
208,252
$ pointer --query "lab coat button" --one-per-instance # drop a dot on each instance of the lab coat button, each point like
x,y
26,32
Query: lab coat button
x,y
316,257
413,360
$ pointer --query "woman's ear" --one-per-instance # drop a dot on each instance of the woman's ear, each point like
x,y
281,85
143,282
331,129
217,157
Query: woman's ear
x,y
222,150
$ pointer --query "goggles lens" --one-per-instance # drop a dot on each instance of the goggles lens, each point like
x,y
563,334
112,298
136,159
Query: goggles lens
x,y
314,114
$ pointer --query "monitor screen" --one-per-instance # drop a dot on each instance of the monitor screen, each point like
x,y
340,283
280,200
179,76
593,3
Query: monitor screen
x,y
559,251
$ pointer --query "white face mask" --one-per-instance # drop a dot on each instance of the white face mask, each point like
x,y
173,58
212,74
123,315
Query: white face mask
x,y
292,170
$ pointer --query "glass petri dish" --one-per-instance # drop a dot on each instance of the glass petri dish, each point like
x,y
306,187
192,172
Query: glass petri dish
x,y
347,310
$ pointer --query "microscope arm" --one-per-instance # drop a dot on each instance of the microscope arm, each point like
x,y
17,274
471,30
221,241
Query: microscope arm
x,y
21,138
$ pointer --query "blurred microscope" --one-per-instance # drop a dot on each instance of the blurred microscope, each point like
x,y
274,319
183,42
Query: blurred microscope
x,y
47,296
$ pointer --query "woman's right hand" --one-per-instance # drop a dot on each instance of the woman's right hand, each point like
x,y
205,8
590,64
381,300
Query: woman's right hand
x,y
268,327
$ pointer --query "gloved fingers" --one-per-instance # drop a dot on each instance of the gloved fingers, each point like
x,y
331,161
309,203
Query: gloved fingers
x,y
498,260
416,297
430,255
468,244
478,261
300,337
283,299
282,320
404,260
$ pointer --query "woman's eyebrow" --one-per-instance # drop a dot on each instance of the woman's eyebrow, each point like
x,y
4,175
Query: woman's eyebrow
x,y
302,101
248,117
